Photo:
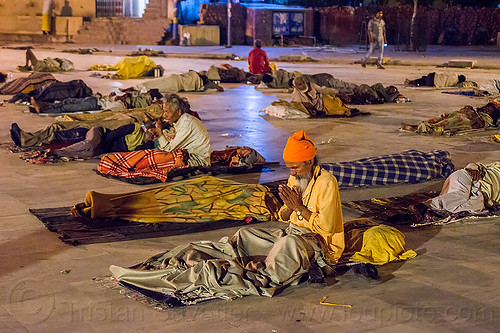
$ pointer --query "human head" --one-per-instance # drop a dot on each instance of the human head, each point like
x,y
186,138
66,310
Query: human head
x,y
3,77
150,132
391,90
461,78
266,78
492,110
173,107
258,43
299,155
379,14
299,83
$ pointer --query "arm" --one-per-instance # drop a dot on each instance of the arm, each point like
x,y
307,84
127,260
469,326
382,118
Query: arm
x,y
370,34
118,133
183,134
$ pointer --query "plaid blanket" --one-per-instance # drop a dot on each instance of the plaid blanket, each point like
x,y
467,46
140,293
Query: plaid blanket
x,y
142,163
35,80
410,166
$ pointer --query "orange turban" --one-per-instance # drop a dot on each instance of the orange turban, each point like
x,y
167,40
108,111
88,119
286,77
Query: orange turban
x,y
299,148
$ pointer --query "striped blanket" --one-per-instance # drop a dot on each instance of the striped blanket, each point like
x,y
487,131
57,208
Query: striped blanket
x,y
410,166
142,163
26,84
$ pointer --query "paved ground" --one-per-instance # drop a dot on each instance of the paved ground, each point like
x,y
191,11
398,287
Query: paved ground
x,y
451,285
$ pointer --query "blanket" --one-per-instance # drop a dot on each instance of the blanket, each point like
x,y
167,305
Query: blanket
x,y
83,230
409,211
128,68
26,84
410,166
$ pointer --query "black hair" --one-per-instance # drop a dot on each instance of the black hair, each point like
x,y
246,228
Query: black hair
x,y
3,77
266,78
258,43
461,78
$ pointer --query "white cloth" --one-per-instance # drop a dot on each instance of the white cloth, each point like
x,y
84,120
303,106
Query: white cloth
x,y
459,194
188,133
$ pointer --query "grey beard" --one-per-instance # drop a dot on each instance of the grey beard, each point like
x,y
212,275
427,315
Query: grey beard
x,y
302,182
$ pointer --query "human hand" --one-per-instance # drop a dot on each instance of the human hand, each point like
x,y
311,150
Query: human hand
x,y
292,198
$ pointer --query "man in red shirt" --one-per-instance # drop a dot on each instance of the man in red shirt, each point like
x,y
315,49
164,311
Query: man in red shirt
x,y
258,63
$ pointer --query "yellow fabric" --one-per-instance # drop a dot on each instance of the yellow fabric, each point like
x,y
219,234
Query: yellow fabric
x,y
299,148
201,199
135,138
150,113
46,22
490,182
128,68
495,138
382,244
322,198
335,106
273,66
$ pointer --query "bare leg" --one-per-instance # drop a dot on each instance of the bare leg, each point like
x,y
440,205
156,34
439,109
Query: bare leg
x,y
30,57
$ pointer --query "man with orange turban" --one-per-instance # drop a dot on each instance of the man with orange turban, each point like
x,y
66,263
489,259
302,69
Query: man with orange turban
x,y
311,197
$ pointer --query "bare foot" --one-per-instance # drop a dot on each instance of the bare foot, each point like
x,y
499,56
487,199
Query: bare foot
x,y
49,152
408,127
77,210
35,104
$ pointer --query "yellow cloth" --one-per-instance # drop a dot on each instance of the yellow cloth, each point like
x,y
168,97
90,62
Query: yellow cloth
x,y
299,148
46,22
490,182
322,198
335,106
128,68
201,199
382,244
136,138
495,138
273,66
147,114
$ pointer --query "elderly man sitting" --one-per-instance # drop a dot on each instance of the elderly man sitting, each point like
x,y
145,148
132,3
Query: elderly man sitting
x,y
183,141
257,261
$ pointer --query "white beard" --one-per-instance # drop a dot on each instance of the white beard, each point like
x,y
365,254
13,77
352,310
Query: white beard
x,y
302,182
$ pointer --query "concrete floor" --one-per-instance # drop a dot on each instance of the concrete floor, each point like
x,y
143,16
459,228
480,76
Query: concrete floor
x,y
452,285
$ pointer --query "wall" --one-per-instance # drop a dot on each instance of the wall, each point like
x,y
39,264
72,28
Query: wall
x,y
34,7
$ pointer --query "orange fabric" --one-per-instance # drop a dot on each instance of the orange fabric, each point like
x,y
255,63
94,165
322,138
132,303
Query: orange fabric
x,y
299,148
142,163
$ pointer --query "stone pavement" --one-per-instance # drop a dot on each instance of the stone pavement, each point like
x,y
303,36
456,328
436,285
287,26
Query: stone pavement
x,y
451,286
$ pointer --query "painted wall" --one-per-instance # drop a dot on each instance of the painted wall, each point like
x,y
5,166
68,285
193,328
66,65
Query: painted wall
x,y
34,7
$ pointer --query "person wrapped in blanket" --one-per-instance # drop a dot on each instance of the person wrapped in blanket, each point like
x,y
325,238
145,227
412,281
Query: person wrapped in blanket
x,y
254,261
465,119
189,81
441,80
182,141
99,140
349,92
318,101
129,100
471,189
45,65
55,91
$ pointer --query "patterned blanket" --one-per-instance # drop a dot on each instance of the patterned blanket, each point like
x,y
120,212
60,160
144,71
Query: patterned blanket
x,y
410,166
26,84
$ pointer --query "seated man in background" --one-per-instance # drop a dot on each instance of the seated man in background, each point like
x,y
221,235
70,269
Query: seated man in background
x,y
185,143
258,62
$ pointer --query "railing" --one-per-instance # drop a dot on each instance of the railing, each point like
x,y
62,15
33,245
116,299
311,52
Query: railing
x,y
109,8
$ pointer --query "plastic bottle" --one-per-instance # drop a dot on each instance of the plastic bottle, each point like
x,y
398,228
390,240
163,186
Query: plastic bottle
x,y
10,76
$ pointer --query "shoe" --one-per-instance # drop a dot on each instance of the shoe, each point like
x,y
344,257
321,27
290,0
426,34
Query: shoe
x,y
15,134
363,63
380,67
316,278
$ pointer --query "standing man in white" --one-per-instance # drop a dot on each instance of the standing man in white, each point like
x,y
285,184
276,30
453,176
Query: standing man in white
x,y
377,38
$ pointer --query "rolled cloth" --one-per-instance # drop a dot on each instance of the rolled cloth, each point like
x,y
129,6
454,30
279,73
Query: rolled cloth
x,y
299,148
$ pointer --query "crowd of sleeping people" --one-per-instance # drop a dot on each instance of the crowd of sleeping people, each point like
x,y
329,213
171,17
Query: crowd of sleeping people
x,y
311,202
